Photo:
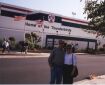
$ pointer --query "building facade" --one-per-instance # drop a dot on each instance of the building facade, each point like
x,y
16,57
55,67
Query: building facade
x,y
16,21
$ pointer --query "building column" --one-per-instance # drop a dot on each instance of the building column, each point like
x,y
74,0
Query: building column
x,y
53,43
46,42
87,46
96,45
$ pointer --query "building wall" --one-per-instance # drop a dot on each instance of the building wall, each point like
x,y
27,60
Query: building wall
x,y
48,30
6,33
10,27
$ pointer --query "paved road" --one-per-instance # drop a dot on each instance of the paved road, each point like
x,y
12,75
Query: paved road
x,y
36,70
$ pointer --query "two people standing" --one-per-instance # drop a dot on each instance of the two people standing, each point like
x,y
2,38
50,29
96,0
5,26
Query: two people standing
x,y
60,62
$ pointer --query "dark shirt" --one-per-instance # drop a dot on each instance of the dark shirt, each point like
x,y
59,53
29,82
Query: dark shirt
x,y
56,57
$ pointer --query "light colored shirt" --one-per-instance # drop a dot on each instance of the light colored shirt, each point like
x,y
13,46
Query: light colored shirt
x,y
7,44
68,59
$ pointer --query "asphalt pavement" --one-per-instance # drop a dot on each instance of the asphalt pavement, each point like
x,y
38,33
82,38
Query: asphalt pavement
x,y
32,68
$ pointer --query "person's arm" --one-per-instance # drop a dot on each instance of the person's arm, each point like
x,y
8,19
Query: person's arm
x,y
75,59
50,59
74,63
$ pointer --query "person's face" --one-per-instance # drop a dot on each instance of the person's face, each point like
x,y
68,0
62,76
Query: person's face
x,y
61,45
69,50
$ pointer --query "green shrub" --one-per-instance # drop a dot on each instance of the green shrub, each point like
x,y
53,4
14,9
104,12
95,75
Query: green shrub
x,y
12,39
37,46
101,49
1,41
12,43
31,46
91,51
19,45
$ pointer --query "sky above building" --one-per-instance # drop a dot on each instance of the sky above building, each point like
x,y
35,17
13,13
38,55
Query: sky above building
x,y
69,8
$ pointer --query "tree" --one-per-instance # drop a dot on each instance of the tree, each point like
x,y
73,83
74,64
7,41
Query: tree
x,y
12,43
12,39
95,11
27,37
32,39
35,38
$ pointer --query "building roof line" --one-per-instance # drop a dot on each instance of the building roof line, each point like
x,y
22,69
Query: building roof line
x,y
70,19
9,6
23,9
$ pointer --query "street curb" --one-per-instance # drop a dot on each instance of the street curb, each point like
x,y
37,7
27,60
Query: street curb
x,y
98,80
23,55
32,55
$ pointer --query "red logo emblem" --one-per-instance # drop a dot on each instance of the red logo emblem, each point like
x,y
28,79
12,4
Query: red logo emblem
x,y
51,18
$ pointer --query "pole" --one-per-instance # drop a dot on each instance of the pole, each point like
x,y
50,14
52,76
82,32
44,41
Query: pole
x,y
0,9
24,25
24,30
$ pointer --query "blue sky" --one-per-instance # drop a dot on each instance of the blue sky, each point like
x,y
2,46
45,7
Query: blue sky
x,y
62,7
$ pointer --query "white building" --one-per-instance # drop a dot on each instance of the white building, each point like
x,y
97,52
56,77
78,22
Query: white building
x,y
50,27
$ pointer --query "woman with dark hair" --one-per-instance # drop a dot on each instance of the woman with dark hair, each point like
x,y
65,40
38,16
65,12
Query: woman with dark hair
x,y
69,62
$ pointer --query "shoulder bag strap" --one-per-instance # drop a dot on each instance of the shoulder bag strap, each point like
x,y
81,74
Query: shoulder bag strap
x,y
72,60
